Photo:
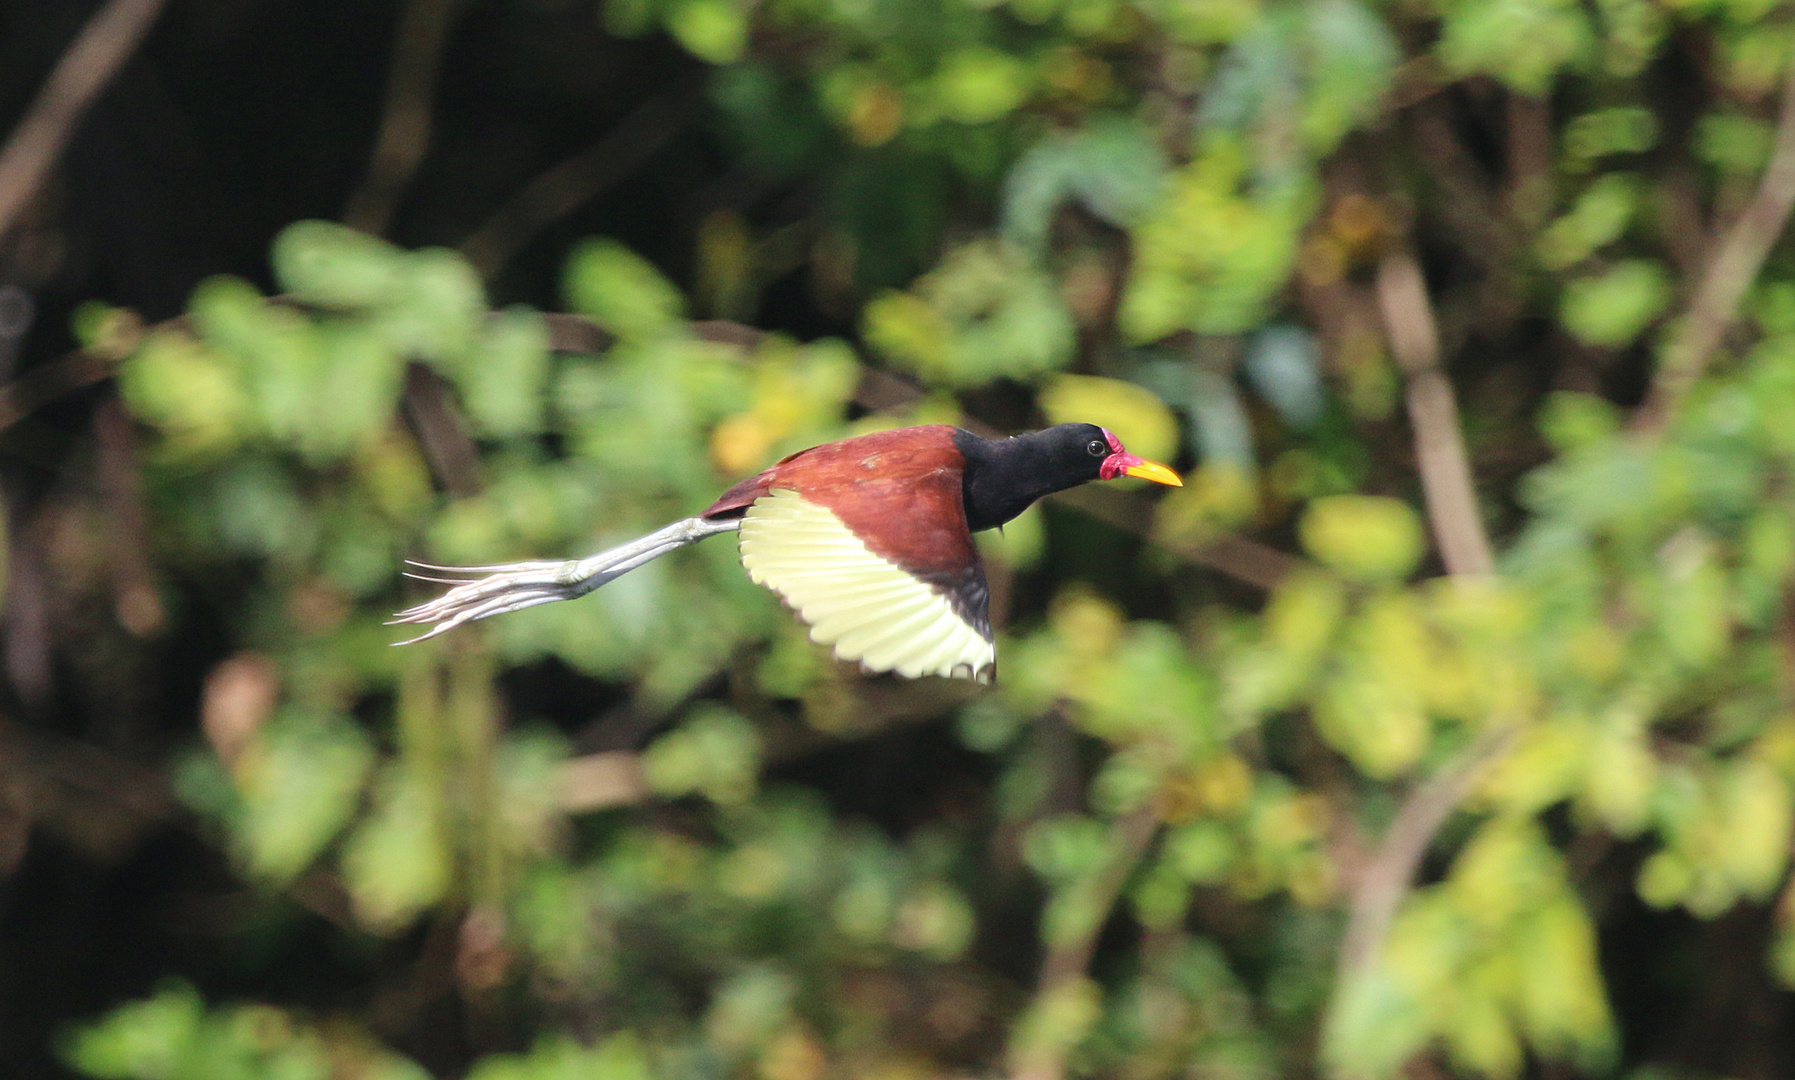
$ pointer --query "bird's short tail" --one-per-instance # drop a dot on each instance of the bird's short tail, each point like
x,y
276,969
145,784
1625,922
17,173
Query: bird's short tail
x,y
480,591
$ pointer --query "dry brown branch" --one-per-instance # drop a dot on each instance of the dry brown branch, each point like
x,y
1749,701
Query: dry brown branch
x,y
1529,142
405,118
25,645
240,694
47,382
1067,963
102,47
1730,273
98,801
601,781
136,601
578,180
436,419
1238,557
1433,413
1385,878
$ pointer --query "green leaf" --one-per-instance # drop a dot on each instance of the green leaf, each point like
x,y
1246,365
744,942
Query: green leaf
x,y
1756,808
1614,307
936,920
1480,1036
1366,537
978,84
1739,145
1597,218
355,393
436,308
398,861
299,785
1215,250
504,380
1623,129
1063,848
715,31
143,1040
331,265
1522,42
1200,852
1352,60
192,392
1133,413
716,752
1691,614
621,290
749,1006
1571,421
1112,167
987,311
1621,774
1563,1004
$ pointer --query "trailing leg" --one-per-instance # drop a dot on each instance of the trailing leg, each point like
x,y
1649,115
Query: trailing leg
x,y
495,590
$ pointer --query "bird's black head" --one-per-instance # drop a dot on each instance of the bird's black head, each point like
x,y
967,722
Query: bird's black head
x,y
1004,476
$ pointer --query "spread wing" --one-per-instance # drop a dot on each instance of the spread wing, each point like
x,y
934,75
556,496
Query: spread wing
x,y
910,600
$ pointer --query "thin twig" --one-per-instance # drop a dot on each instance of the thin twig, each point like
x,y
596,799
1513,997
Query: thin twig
x,y
1433,413
1734,267
1385,879
25,645
1066,963
601,781
405,119
1239,557
97,53
441,432
48,382
1465,548
578,180
136,601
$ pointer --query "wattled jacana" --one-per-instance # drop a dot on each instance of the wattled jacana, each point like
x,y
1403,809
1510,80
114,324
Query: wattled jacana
x,y
869,539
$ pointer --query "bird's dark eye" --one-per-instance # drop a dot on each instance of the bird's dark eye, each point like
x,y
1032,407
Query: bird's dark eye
x,y
1097,448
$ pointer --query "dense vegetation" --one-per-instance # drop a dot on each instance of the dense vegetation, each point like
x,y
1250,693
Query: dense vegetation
x,y
1443,724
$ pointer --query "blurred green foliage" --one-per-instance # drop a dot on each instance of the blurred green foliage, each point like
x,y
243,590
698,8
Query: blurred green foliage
x,y
1106,210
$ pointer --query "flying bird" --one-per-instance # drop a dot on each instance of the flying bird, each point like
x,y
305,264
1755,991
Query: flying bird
x,y
868,539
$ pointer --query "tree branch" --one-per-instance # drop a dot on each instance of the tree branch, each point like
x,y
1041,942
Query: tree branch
x,y
601,781
578,180
1239,557
405,119
1067,962
1465,548
95,56
1734,267
47,382
1433,413
1385,879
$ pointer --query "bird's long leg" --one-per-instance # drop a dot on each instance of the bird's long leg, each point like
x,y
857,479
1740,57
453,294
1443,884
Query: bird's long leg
x,y
494,590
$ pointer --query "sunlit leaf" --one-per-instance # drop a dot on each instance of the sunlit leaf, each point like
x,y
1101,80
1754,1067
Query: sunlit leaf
x,y
1522,42
620,289
299,786
398,861
977,85
1614,307
1134,414
321,262
712,30
1366,537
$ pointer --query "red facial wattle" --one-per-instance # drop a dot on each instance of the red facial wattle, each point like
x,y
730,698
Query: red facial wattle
x,y
1121,463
